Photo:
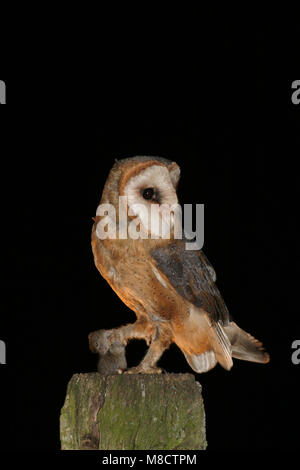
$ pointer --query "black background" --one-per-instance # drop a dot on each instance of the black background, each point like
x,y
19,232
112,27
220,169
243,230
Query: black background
x,y
236,138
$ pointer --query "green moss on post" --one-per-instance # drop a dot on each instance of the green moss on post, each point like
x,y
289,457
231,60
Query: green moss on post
x,y
132,412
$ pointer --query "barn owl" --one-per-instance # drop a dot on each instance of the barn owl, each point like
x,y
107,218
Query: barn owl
x,y
171,290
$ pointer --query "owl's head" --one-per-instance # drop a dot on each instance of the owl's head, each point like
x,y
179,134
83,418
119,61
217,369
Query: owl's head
x,y
144,182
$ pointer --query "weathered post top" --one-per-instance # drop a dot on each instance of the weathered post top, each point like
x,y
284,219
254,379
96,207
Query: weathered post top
x,y
133,412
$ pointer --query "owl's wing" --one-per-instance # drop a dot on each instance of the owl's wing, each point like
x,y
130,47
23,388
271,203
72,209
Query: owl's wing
x,y
191,274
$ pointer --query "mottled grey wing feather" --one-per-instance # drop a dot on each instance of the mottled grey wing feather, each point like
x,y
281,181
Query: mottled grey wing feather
x,y
191,274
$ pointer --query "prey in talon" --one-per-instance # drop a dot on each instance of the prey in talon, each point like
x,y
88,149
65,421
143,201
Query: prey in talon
x,y
112,358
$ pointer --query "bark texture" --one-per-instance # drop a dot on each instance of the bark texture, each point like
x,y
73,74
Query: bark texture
x,y
133,412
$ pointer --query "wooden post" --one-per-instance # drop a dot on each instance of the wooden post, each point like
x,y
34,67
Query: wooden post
x,y
133,412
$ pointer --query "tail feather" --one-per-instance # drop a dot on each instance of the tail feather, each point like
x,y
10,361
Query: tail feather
x,y
198,338
221,346
244,346
201,362
204,343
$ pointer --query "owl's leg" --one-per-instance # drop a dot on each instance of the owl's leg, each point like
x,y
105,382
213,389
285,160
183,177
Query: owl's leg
x,y
141,329
160,343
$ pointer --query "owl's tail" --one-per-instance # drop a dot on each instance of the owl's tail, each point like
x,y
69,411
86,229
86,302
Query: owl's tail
x,y
244,346
210,343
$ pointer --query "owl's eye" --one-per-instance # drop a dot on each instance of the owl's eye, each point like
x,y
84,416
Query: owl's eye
x,y
148,193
